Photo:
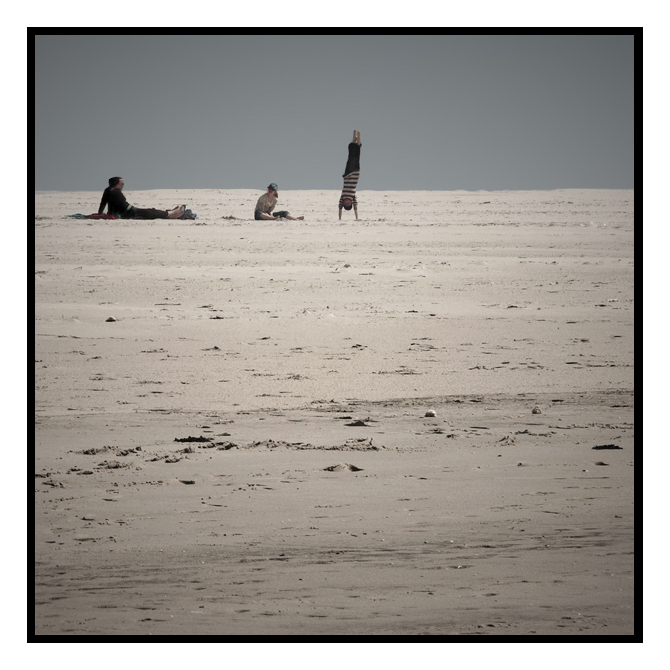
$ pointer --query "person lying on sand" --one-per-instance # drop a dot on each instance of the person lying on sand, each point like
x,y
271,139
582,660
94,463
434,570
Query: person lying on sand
x,y
118,206
266,203
351,174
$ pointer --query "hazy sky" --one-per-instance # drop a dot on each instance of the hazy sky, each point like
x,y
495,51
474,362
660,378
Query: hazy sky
x,y
435,112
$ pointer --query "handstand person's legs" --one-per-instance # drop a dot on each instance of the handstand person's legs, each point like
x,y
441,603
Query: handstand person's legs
x,y
353,161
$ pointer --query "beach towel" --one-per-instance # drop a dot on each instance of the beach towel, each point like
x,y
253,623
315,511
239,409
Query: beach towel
x,y
91,216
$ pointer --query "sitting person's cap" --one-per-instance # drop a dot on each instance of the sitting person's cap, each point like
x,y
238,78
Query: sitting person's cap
x,y
273,186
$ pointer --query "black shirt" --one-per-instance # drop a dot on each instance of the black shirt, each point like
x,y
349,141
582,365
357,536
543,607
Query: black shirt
x,y
116,202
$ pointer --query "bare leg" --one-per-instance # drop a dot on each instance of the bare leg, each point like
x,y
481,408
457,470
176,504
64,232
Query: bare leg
x,y
176,212
353,141
358,137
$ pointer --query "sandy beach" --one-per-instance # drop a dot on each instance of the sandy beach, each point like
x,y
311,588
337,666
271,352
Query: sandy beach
x,y
418,423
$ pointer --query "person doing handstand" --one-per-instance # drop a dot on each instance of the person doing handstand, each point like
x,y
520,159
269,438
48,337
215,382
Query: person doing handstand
x,y
266,203
118,206
351,175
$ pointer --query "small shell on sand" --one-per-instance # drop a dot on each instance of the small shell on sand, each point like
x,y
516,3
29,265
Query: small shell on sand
x,y
537,410
430,412
343,466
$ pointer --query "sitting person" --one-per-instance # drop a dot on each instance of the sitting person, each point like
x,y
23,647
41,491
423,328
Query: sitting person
x,y
351,174
266,203
118,206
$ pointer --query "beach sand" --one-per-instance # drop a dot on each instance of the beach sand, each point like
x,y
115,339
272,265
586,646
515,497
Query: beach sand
x,y
323,427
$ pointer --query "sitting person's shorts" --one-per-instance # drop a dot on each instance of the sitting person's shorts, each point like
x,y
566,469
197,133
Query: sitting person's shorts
x,y
277,215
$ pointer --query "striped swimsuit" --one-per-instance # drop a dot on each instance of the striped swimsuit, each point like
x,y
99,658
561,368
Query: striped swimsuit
x,y
351,174
349,190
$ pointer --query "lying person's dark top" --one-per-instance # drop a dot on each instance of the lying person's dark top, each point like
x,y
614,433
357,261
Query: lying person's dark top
x,y
116,202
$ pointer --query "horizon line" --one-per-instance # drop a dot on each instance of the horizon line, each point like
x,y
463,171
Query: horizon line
x,y
405,190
